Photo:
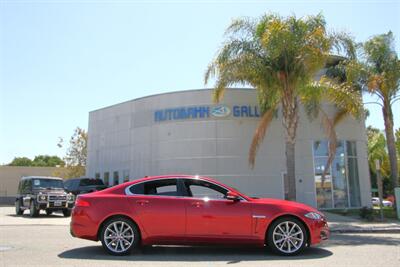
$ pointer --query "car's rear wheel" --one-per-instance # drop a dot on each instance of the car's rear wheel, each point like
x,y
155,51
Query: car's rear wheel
x,y
119,235
33,210
287,236
18,210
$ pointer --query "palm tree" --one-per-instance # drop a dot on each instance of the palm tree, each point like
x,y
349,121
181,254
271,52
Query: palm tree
x,y
381,69
280,58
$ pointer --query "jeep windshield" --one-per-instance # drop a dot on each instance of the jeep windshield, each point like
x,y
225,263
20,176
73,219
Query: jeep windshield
x,y
47,183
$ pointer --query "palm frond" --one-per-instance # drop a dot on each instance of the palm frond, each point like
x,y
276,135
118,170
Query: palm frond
x,y
259,135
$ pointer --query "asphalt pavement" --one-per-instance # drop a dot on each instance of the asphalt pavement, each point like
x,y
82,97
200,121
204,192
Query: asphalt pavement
x,y
45,241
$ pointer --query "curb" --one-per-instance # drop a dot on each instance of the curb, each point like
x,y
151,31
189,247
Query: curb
x,y
365,230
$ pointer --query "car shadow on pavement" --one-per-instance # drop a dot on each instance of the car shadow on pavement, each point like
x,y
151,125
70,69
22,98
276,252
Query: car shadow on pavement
x,y
180,253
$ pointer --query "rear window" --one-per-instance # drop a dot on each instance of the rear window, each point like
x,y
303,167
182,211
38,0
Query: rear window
x,y
89,182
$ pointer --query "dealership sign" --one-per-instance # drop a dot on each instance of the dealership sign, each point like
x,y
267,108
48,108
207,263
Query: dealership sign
x,y
206,111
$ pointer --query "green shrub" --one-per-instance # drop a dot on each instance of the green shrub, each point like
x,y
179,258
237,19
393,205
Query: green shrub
x,y
367,213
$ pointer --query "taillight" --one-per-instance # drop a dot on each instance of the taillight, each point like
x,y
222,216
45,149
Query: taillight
x,y
81,203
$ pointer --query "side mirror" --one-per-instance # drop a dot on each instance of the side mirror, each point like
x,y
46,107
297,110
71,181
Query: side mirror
x,y
232,196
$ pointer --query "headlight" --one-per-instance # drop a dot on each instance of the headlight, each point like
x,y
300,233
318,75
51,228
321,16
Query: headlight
x,y
42,197
313,215
70,197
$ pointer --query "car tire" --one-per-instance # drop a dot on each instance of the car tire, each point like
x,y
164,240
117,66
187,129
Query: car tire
x,y
119,236
67,213
287,236
49,212
33,210
18,210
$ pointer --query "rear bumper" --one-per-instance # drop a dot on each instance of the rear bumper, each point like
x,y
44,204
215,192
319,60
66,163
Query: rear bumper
x,y
82,226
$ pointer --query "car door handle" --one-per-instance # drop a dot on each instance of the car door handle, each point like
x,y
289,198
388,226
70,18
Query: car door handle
x,y
142,202
197,204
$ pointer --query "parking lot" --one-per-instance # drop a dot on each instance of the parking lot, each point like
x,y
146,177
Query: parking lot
x,y
45,241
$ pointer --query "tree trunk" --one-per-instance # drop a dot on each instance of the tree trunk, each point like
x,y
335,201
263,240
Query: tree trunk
x,y
290,168
290,120
388,118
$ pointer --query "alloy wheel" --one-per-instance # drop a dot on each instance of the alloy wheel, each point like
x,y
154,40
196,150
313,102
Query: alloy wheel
x,y
288,237
119,236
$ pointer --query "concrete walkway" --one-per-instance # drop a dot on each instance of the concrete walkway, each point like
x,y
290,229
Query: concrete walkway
x,y
348,224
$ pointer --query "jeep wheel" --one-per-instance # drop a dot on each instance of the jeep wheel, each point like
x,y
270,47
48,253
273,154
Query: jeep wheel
x,y
18,210
33,211
67,213
49,212
119,235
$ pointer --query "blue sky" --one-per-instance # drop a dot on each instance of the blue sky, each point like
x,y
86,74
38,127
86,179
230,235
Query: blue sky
x,y
61,59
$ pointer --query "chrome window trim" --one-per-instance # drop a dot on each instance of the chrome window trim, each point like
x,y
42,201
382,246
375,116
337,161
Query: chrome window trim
x,y
129,193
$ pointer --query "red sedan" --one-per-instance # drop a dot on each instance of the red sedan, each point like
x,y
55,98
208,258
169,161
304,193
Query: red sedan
x,y
192,210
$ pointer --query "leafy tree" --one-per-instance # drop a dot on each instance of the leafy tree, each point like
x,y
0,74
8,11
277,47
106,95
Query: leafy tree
x,y
280,58
378,72
47,161
76,154
377,150
21,161
38,161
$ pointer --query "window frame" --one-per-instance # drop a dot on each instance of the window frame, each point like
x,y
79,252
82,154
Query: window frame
x,y
179,188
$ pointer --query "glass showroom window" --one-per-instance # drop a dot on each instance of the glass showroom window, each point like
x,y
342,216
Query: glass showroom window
x,y
339,187
126,176
106,178
116,178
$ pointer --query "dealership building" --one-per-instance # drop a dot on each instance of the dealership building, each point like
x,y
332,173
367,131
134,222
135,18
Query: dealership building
x,y
185,133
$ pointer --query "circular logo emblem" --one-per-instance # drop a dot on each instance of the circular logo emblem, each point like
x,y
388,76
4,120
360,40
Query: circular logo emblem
x,y
220,111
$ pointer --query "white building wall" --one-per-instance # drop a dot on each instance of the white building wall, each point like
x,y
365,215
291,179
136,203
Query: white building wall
x,y
126,137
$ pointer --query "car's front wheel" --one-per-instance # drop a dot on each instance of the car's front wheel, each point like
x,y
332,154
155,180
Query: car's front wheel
x,y
18,210
119,235
287,236
33,210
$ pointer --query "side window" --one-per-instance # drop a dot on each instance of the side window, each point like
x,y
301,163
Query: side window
x,y
137,189
75,184
67,185
19,187
28,186
23,186
164,187
204,189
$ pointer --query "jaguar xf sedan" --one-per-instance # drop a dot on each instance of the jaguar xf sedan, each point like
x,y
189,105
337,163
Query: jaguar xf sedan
x,y
192,210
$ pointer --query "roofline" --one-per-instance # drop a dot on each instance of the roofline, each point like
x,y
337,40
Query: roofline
x,y
41,177
332,60
166,93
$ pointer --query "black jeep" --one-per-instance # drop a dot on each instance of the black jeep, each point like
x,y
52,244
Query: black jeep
x,y
43,193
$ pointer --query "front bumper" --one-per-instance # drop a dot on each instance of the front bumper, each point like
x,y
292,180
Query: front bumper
x,y
319,231
56,206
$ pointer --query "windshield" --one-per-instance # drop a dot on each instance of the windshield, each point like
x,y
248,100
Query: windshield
x,y
88,182
47,183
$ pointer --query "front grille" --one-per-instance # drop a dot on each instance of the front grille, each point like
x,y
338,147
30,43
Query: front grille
x,y
57,198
